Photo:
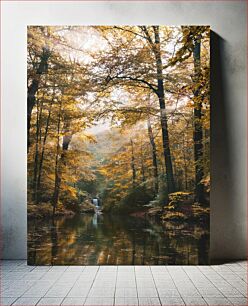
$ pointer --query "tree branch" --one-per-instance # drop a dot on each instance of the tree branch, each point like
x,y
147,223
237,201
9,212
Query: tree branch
x,y
149,85
123,29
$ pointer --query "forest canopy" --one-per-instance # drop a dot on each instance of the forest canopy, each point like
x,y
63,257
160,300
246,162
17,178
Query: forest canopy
x,y
119,113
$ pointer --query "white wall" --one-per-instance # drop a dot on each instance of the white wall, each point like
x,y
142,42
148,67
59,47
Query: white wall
x,y
229,97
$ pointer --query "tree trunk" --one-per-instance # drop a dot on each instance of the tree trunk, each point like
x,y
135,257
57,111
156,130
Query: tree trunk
x,y
33,88
43,150
133,165
36,155
154,156
142,165
60,162
57,168
198,146
163,119
185,164
37,148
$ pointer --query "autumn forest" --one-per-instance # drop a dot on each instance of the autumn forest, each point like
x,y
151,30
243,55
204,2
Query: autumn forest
x,y
118,141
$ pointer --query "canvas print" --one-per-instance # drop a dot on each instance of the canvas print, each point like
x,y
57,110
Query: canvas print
x,y
118,141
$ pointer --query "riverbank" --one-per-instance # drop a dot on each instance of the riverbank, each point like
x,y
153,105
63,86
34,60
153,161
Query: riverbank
x,y
181,207
45,210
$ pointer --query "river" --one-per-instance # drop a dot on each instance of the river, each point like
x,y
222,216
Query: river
x,y
115,240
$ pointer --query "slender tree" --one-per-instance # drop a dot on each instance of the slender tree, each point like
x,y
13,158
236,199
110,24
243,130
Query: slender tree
x,y
133,164
160,92
43,146
198,133
154,155
34,86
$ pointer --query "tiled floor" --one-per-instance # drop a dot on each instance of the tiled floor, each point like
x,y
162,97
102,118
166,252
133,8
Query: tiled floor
x,y
123,285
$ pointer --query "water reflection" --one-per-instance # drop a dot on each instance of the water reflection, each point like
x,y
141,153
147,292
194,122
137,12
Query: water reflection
x,y
107,239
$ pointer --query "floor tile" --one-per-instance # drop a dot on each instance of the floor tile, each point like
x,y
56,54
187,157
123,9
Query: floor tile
x,y
165,292
189,292
210,292
23,268
143,282
42,269
85,280
58,291
126,275
126,292
50,301
27,301
165,284
38,290
121,301
75,269
230,292
149,301
239,301
15,275
142,269
79,291
162,276
126,283
70,275
91,269
106,275
217,301
108,269
58,268
99,301
51,276
125,269
33,276
194,301
104,283
102,292
11,292
147,292
73,301
4,301
166,301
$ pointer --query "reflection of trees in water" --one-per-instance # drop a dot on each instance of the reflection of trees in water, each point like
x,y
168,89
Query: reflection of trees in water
x,y
203,249
32,245
115,240
184,243
54,241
